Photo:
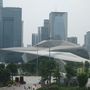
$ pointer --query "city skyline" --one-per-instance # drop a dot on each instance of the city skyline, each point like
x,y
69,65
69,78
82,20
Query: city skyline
x,y
79,21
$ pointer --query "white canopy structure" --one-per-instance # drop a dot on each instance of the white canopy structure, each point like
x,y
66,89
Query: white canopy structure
x,y
61,50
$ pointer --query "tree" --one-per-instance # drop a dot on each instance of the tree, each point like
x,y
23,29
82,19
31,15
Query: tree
x,y
2,66
70,71
87,66
4,75
82,79
56,74
46,68
29,67
12,68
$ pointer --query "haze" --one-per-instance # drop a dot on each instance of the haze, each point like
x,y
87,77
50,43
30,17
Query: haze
x,y
35,11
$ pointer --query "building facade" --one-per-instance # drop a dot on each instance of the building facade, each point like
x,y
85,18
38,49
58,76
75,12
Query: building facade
x,y
72,39
87,41
58,25
1,23
43,31
34,39
11,27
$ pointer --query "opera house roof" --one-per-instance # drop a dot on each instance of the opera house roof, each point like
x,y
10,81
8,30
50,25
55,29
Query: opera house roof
x,y
58,49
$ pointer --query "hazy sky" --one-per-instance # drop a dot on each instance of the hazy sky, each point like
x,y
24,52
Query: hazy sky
x,y
35,11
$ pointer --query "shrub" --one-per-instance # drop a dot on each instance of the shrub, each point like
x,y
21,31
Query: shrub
x,y
82,79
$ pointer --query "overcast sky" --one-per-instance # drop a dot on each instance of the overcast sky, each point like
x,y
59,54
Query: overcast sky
x,y
35,11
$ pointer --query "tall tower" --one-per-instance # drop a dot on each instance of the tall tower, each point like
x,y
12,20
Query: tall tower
x,y
58,25
87,41
1,5
12,27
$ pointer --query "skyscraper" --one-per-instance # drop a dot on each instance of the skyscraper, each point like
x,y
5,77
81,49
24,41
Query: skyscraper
x,y
1,9
58,25
12,27
72,39
1,23
10,32
34,39
43,31
87,41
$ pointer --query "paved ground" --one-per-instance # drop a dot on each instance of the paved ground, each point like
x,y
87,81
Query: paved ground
x,y
21,87
32,82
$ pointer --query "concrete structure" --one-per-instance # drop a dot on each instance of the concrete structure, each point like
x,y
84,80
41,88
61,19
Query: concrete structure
x,y
12,27
58,25
72,39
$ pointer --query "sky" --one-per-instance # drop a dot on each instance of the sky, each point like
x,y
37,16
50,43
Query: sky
x,y
35,11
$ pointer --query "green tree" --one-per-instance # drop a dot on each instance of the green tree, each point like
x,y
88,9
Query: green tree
x,y
2,66
29,67
70,70
82,79
87,65
56,74
46,69
4,75
12,68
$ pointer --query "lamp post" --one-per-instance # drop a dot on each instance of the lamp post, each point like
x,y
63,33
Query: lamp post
x,y
49,53
49,49
37,61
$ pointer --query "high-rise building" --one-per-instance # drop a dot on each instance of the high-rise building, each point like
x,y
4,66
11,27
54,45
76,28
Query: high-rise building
x,y
72,39
46,23
1,9
39,34
43,32
58,25
10,32
34,39
12,27
87,41
1,23
47,29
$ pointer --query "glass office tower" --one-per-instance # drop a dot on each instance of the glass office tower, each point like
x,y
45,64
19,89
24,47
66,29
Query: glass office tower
x,y
1,23
58,25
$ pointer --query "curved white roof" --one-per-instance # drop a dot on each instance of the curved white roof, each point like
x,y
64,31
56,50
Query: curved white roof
x,y
43,50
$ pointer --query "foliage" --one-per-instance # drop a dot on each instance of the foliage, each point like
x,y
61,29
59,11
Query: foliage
x,y
55,87
56,74
4,75
12,68
2,66
87,66
82,79
46,68
29,67
70,70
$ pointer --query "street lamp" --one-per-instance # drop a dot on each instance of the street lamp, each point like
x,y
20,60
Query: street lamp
x,y
37,61
49,47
